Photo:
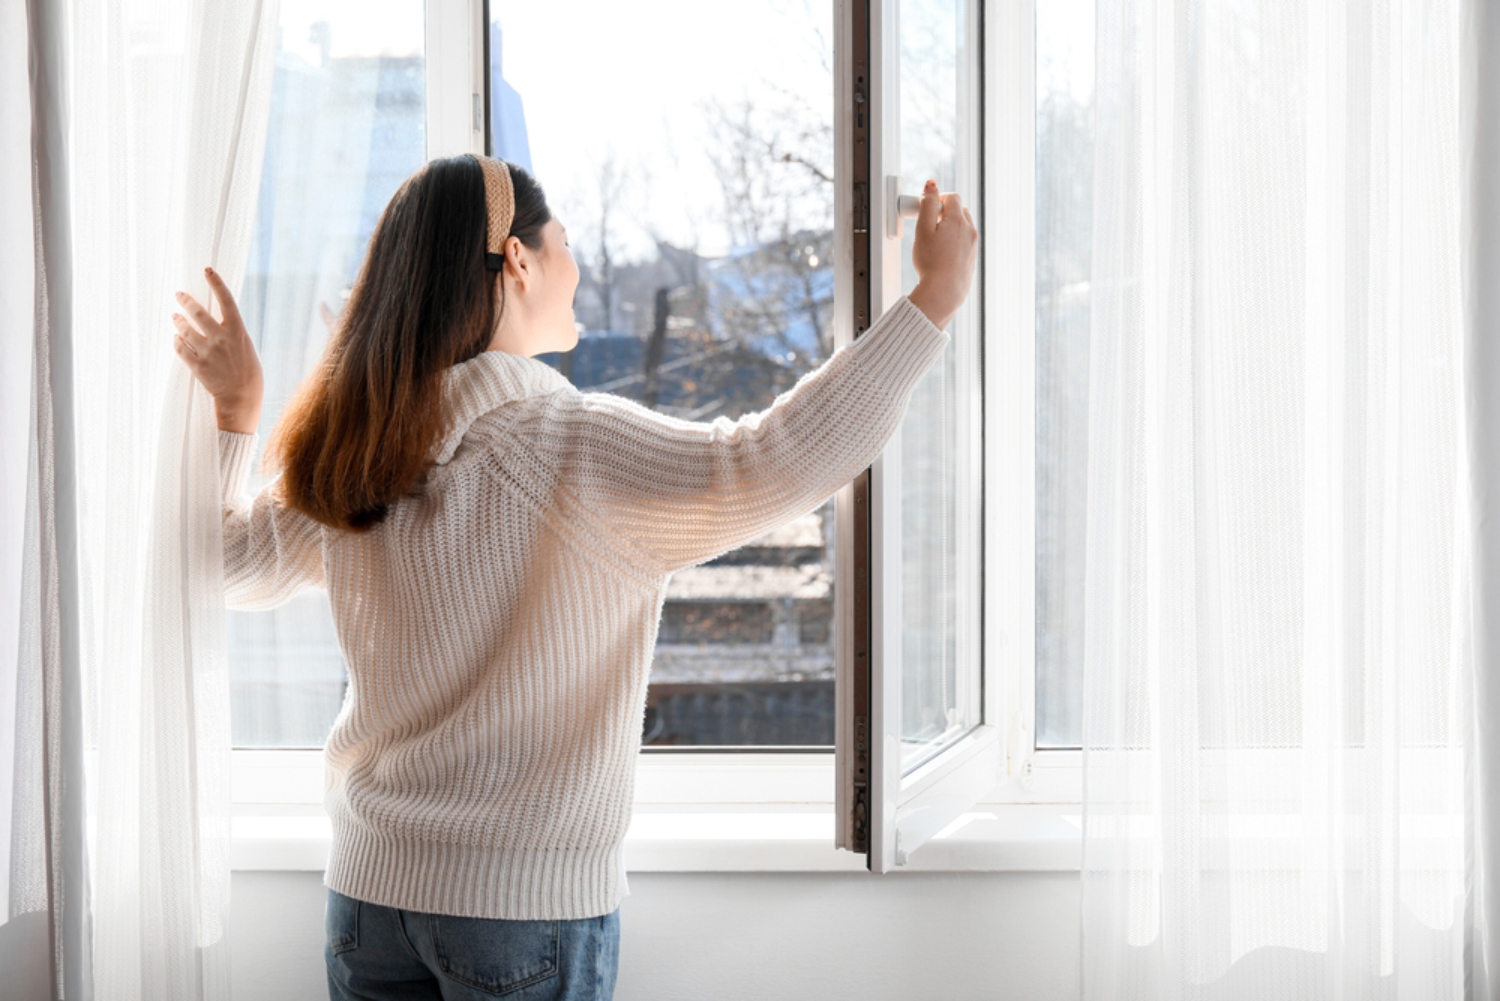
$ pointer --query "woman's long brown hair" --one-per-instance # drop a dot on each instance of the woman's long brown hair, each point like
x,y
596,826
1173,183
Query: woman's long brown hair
x,y
360,430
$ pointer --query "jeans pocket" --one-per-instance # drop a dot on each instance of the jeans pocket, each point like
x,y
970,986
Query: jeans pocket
x,y
341,922
495,955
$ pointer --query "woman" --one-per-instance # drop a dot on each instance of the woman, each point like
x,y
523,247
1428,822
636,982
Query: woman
x,y
496,547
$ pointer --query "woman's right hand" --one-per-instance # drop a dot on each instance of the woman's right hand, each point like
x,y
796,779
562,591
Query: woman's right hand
x,y
221,356
943,252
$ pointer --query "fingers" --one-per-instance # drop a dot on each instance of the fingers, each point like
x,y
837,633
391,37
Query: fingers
x,y
184,349
190,336
199,316
952,206
184,352
227,308
931,207
937,208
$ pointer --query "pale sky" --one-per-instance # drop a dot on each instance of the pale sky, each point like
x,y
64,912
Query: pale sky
x,y
598,75
601,76
360,27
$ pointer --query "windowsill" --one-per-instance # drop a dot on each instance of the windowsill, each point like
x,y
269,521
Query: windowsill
x,y
993,837
705,812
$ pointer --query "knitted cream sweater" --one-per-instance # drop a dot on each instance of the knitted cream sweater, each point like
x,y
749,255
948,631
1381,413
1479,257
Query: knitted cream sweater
x,y
498,627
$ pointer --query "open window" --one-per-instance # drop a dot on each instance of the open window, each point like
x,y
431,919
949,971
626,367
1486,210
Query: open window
x,y
916,619
922,709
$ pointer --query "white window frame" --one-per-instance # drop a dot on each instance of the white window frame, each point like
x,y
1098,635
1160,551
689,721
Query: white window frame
x,y
1033,775
908,806
453,59
284,786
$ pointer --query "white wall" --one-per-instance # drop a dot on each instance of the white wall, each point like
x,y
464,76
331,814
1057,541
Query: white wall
x,y
747,936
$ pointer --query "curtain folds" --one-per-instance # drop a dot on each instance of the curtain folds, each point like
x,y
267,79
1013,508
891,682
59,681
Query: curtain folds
x,y
146,130
1479,150
1279,629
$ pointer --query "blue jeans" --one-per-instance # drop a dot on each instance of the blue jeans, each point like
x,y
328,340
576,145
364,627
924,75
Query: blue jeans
x,y
379,953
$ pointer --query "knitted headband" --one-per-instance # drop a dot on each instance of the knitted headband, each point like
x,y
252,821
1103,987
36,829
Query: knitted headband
x,y
500,201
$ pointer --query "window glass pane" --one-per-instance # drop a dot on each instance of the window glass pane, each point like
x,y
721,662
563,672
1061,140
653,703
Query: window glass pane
x,y
1064,234
346,127
688,148
939,600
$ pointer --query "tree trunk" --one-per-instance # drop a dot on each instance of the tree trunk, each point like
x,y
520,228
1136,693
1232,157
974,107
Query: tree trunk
x,y
655,348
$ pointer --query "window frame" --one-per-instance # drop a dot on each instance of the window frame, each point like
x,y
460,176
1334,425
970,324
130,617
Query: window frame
x,y
1000,763
287,781
1033,774
908,806
454,57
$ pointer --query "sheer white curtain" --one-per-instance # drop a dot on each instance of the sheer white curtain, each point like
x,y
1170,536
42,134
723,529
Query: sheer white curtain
x,y
147,125
1479,155
18,939
1279,638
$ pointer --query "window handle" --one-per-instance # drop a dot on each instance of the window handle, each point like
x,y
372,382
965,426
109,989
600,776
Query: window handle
x,y
898,206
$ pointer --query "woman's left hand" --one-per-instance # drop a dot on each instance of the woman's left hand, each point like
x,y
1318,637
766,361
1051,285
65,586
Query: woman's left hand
x,y
221,356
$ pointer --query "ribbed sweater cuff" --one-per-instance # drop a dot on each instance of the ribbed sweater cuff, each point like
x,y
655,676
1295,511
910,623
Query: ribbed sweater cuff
x,y
235,453
900,346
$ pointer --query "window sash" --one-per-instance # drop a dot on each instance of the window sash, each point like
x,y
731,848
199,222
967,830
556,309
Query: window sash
x,y
908,805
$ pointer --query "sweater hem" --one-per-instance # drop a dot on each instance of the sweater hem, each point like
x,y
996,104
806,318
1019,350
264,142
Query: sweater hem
x,y
476,881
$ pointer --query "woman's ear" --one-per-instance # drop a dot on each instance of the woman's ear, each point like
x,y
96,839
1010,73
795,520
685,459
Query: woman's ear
x,y
517,261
